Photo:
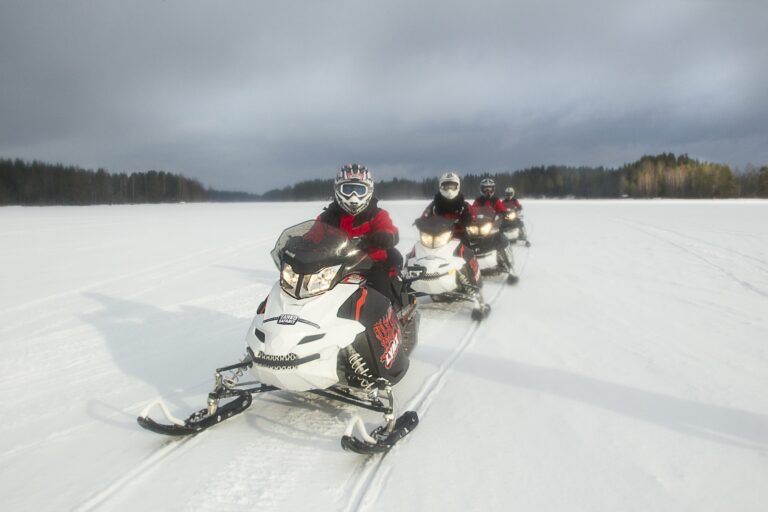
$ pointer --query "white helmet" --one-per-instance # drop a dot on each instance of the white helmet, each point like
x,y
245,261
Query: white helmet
x,y
449,185
353,188
509,192
487,187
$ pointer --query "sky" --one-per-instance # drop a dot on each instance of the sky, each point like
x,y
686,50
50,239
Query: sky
x,y
253,94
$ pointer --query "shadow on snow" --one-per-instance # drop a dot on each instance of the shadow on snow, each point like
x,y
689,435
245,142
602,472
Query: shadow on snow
x,y
725,425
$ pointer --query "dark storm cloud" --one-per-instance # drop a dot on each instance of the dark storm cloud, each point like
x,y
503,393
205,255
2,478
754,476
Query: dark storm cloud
x,y
256,94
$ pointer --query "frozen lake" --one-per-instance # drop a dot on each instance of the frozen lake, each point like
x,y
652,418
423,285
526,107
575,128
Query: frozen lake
x,y
626,371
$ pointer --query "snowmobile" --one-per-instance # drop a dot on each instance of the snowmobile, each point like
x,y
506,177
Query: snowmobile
x,y
436,267
511,227
493,251
320,330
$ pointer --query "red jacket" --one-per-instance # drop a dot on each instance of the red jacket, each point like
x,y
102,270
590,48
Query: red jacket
x,y
513,204
366,223
489,202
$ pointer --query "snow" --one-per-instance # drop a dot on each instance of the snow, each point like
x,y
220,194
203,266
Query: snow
x,y
626,371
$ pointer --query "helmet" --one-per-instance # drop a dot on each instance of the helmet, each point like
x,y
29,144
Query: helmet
x,y
509,192
449,185
353,188
487,187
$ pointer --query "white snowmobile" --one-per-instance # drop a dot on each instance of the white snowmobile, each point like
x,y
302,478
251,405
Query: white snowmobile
x,y
436,267
493,251
511,226
321,330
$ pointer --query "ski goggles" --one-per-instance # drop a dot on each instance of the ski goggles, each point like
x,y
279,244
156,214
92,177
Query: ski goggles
x,y
449,185
487,190
354,189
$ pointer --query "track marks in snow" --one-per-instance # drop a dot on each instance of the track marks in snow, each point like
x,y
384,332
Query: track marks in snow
x,y
698,252
138,472
151,278
150,271
759,263
372,474
247,476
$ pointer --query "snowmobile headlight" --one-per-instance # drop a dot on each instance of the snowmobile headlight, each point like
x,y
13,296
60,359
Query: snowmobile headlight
x,y
511,215
288,279
486,228
441,239
426,239
319,282
473,230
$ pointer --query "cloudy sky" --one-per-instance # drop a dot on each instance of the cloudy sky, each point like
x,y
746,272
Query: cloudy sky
x,y
255,94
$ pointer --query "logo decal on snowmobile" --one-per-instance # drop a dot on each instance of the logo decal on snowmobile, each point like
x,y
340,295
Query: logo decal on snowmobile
x,y
353,279
287,319
387,331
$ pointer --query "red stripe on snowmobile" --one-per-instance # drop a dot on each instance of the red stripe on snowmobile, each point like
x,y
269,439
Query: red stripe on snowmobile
x,y
360,303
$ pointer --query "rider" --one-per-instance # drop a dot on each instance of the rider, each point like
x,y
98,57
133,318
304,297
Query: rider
x,y
511,203
449,203
355,211
488,199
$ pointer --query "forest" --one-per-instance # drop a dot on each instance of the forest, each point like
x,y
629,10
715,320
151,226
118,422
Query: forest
x,y
38,183
664,175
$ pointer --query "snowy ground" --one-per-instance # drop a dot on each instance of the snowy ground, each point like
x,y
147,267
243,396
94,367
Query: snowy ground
x,y
627,371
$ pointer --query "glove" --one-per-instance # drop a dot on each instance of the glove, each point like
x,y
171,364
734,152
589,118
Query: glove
x,y
382,239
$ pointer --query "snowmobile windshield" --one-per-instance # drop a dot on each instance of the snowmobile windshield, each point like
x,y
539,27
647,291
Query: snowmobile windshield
x,y
434,231
313,245
484,223
434,225
484,214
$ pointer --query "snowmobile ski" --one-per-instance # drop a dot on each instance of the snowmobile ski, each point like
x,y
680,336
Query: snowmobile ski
x,y
481,313
215,412
382,438
198,421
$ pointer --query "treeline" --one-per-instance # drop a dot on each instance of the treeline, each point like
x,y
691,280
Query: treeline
x,y
38,183
323,189
664,175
